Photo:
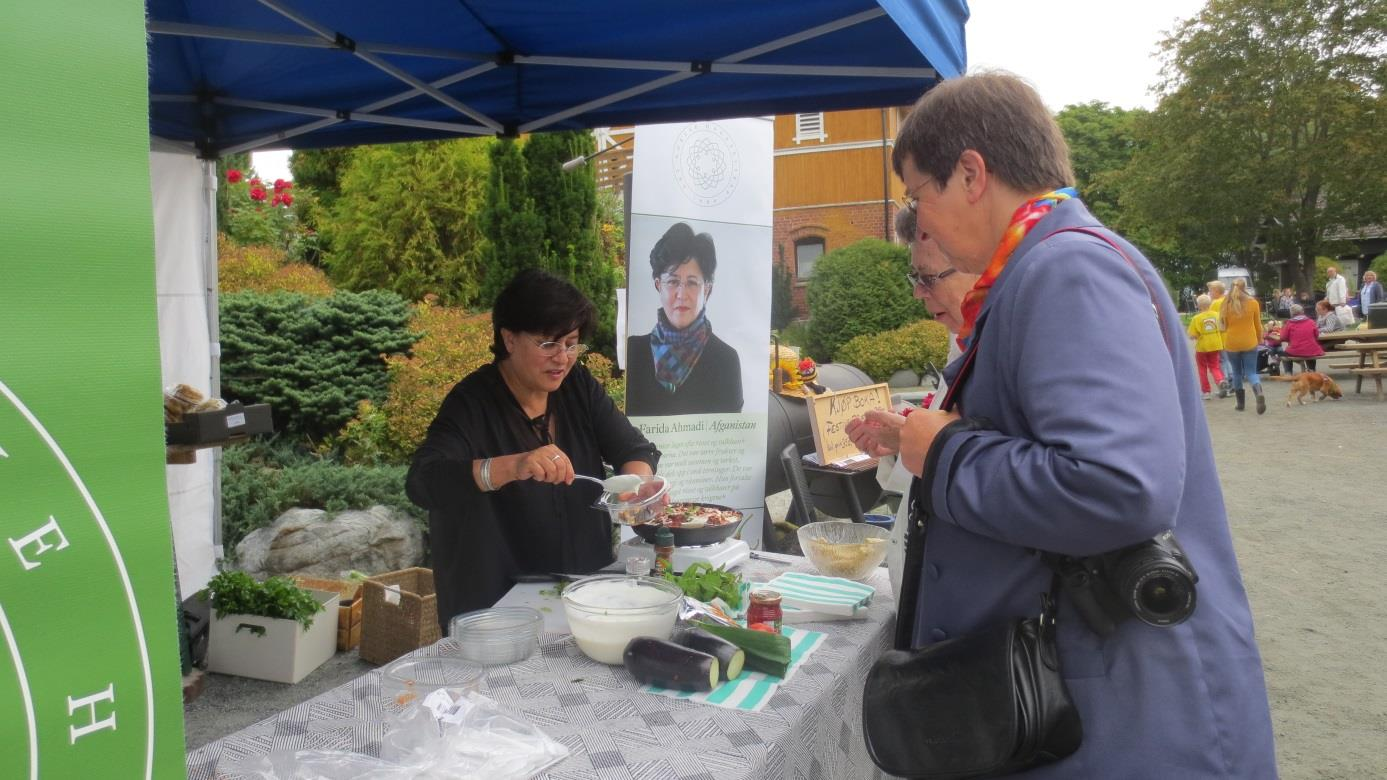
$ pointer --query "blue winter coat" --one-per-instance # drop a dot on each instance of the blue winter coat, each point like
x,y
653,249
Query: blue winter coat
x,y
1096,440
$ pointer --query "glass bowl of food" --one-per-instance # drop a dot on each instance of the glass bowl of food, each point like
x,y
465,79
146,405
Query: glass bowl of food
x,y
639,506
848,550
609,610
499,635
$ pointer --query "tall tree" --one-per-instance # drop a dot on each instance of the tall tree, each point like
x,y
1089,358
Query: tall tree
x,y
514,232
408,220
566,202
539,216
1271,129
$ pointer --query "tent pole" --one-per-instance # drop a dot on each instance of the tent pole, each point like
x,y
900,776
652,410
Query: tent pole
x,y
209,279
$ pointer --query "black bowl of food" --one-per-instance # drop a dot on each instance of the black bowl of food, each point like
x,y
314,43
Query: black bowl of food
x,y
693,524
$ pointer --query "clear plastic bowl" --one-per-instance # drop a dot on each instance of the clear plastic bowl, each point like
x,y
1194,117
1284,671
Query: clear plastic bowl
x,y
500,635
638,511
409,680
607,611
848,550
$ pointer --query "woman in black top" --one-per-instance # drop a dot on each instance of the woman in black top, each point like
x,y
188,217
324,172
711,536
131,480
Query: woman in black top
x,y
680,367
496,468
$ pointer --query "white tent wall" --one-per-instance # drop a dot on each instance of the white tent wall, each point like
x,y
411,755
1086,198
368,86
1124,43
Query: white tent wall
x,y
182,228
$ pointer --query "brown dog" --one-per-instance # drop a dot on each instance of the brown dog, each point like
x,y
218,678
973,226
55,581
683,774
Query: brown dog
x,y
1310,383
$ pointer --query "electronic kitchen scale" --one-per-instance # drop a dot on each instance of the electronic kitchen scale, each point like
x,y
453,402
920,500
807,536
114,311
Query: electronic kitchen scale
x,y
727,553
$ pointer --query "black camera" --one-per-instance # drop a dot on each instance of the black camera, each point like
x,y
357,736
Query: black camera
x,y
1152,581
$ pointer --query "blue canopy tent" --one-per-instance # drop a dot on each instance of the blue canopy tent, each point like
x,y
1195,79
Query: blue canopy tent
x,y
233,76
229,76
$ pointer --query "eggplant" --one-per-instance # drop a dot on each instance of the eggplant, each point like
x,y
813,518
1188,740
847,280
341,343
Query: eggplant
x,y
730,657
659,662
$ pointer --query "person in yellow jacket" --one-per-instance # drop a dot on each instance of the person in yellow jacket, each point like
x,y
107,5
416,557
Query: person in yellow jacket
x,y
1242,325
1207,332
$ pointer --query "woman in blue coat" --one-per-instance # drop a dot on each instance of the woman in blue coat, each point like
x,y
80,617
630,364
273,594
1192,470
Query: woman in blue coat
x,y
1076,435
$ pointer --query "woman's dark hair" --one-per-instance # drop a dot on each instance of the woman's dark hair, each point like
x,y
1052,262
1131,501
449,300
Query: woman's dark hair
x,y
679,245
541,303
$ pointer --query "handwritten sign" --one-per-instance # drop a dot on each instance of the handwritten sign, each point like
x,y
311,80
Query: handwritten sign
x,y
829,415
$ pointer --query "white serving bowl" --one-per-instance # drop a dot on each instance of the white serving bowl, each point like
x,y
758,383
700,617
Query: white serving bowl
x,y
607,611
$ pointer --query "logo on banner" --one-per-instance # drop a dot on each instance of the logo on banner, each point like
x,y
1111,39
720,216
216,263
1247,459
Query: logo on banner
x,y
706,165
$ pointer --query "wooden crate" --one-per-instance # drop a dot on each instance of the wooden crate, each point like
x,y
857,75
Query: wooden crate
x,y
349,607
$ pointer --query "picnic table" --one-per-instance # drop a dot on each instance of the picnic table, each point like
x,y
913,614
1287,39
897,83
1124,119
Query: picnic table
x,y
810,726
1340,336
1369,362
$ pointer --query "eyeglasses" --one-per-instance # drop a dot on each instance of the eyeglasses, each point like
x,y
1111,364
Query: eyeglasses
x,y
927,281
694,286
553,348
911,201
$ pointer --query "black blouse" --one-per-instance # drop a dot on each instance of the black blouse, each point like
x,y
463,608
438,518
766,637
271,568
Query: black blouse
x,y
481,541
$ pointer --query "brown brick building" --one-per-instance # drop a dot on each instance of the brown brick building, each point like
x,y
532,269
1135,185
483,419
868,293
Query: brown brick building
x,y
833,183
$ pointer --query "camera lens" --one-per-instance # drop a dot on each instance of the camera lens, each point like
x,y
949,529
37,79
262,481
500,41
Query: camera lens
x,y
1162,595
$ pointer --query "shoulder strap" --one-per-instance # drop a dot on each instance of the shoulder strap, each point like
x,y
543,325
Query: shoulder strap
x,y
951,399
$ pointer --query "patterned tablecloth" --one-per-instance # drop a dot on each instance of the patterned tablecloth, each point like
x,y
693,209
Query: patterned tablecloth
x,y
810,728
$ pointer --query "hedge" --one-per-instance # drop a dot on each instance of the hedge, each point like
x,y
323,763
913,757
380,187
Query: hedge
x,y
909,347
858,290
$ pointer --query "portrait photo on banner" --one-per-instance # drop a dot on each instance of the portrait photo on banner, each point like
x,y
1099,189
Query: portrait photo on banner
x,y
697,299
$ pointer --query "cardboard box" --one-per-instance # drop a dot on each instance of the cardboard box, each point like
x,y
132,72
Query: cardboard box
x,y
272,648
235,422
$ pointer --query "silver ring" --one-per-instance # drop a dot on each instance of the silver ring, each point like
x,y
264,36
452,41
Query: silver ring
x,y
553,457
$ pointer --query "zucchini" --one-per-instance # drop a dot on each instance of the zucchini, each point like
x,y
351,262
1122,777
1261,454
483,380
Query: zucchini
x,y
658,662
730,657
767,653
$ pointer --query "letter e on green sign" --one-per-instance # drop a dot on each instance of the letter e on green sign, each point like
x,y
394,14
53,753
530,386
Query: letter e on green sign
x,y
829,415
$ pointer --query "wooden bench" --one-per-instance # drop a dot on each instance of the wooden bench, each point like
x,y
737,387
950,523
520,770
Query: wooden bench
x,y
1375,373
1304,365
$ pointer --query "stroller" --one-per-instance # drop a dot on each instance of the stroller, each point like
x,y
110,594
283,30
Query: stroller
x,y
1268,360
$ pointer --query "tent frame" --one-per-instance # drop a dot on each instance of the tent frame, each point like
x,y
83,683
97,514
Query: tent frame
x,y
325,38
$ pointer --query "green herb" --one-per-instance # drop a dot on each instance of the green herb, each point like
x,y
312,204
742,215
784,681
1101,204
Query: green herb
x,y
705,583
237,593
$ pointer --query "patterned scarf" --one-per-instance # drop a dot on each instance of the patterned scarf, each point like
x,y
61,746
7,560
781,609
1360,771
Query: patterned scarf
x,y
1022,220
677,351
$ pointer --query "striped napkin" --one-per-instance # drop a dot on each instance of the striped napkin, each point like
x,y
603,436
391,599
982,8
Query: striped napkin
x,y
829,595
751,690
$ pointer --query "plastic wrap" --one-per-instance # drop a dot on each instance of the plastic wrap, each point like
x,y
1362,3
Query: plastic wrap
x,y
449,735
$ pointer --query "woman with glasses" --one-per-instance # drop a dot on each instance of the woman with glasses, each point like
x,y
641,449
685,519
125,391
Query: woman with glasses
x,y
496,469
680,367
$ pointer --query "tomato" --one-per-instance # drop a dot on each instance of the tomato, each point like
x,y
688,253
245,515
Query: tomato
x,y
762,627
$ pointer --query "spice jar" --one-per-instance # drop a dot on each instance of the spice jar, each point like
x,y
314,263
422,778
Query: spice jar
x,y
765,608
664,551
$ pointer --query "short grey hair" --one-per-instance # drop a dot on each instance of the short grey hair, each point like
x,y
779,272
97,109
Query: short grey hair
x,y
1297,310
906,229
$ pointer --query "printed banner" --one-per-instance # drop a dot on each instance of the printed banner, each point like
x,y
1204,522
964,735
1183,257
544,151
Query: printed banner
x,y
89,662
698,313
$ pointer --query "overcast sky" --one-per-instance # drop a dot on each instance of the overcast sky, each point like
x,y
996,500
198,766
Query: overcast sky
x,y
1073,51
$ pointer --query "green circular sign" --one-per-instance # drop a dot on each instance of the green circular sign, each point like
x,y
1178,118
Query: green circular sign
x,y
76,691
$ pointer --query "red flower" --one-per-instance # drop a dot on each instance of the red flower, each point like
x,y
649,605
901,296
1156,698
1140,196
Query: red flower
x,y
278,199
255,182
233,176
806,365
287,199
281,185
257,192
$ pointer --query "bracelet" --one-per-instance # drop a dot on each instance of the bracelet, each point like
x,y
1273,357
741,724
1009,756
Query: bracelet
x,y
486,476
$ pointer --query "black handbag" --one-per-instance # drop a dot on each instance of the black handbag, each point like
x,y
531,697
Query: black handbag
x,y
982,705
985,704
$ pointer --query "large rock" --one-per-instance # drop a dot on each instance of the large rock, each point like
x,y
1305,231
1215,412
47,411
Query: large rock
x,y
310,541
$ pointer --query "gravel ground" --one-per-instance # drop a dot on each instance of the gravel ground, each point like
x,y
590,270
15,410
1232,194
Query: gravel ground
x,y
1305,495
